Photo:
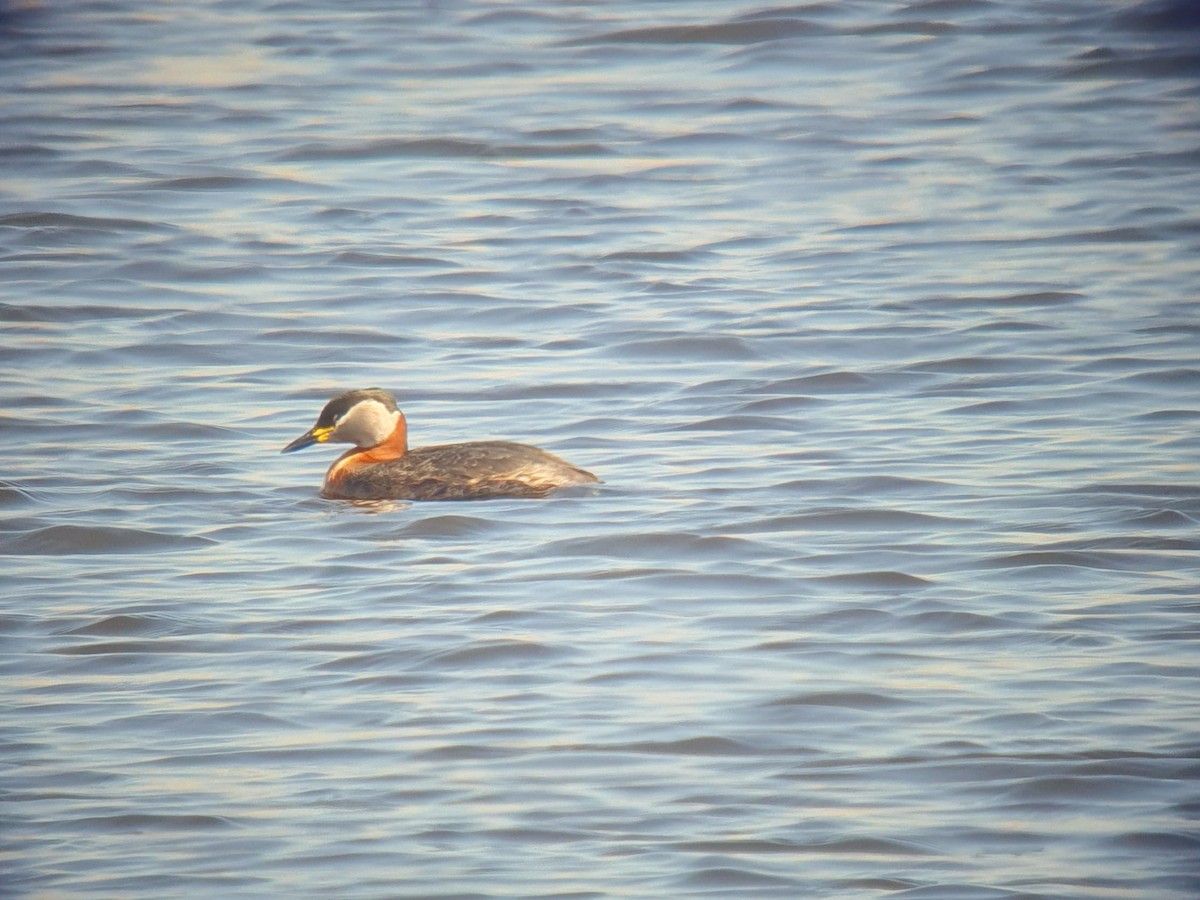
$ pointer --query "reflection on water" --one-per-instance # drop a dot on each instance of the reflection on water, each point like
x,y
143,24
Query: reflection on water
x,y
877,321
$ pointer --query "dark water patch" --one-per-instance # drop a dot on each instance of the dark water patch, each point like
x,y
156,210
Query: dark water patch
x,y
1056,638
1063,578
1137,162
1144,670
152,432
858,885
743,424
891,226
202,320
1008,326
725,878
781,405
882,580
67,257
22,152
301,337
1167,518
825,383
507,616
688,256
717,587
1182,64
1183,635
71,313
852,621
1153,767
1153,543
1034,300
216,353
175,273
1160,841
344,214
750,31
719,387
1085,790
200,725
873,485
1023,407
1171,416
861,700
129,625
13,495
139,823
947,7
1169,379
67,540
14,624
979,365
695,746
435,148
918,27
546,837
495,653
214,183
1180,16
85,223
269,757
685,347
537,18
359,258
950,622
21,525
754,104
1116,364
135,648
379,149
1179,330
626,573
459,752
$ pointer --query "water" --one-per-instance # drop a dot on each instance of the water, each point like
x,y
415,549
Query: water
x,y
878,319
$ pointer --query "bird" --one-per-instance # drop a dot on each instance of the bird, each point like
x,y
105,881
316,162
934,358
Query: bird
x,y
380,466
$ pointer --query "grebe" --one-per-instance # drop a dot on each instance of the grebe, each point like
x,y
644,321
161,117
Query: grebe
x,y
381,467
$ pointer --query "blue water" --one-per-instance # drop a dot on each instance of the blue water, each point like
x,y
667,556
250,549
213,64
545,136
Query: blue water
x,y
878,320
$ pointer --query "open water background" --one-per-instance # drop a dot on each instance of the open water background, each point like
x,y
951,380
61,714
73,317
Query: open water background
x,y
879,320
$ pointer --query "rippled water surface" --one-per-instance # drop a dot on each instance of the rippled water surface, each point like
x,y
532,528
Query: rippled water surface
x,y
878,319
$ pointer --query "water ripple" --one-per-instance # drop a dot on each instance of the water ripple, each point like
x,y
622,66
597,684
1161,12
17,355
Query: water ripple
x,y
878,321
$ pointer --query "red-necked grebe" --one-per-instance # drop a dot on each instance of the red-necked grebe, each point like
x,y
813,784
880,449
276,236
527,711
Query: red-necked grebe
x,y
381,467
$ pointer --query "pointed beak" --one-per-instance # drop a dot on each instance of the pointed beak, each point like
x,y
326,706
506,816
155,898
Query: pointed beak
x,y
314,435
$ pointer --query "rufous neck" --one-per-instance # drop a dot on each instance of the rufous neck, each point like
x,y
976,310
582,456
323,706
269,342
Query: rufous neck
x,y
394,445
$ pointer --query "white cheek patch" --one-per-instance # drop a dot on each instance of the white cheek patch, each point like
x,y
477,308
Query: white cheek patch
x,y
366,425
